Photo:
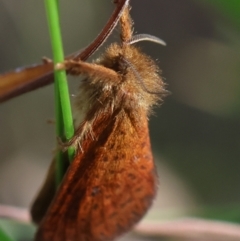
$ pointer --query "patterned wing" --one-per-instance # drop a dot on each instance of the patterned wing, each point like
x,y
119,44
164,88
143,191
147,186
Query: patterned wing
x,y
108,187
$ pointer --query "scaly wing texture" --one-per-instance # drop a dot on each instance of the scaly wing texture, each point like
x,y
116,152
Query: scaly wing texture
x,y
108,187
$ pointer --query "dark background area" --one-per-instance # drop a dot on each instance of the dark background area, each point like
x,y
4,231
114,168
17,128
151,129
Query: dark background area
x,y
195,133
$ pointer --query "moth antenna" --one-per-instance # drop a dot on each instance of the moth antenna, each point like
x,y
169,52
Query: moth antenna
x,y
146,37
138,77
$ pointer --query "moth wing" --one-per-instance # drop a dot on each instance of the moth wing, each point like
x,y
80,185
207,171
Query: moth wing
x,y
108,187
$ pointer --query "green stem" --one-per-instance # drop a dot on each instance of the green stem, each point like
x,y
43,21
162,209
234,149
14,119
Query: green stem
x,y
63,112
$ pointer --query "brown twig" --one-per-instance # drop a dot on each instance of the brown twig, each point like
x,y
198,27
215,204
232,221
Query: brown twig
x,y
191,228
187,228
15,213
23,80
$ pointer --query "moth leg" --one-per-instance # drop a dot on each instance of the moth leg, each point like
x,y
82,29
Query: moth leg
x,y
88,69
75,142
63,146
92,71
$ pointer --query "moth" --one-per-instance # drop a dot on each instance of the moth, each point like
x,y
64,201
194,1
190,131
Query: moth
x,y
25,79
112,180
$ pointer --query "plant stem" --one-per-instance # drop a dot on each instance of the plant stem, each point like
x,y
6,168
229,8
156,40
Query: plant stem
x,y
63,113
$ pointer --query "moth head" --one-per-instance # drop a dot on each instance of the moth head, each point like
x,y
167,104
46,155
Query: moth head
x,y
139,75
118,56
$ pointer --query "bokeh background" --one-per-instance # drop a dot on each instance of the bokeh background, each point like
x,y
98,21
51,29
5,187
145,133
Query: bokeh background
x,y
195,133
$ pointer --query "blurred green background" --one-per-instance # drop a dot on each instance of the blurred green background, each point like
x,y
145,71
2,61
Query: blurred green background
x,y
195,133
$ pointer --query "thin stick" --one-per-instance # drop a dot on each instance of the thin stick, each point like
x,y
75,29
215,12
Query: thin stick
x,y
106,31
23,80
194,228
15,213
63,112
